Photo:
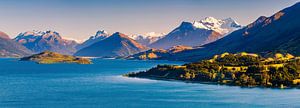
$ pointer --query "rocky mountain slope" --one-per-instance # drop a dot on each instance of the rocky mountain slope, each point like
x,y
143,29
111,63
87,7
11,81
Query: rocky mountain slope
x,y
100,35
277,33
10,48
38,41
197,33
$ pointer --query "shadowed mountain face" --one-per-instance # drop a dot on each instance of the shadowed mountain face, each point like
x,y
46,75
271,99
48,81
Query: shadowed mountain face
x,y
279,32
197,33
38,42
115,45
100,35
10,48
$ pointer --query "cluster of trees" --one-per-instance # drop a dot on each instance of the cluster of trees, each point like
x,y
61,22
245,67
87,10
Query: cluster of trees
x,y
238,60
258,72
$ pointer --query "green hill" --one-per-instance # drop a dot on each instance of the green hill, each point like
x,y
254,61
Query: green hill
x,y
242,69
48,57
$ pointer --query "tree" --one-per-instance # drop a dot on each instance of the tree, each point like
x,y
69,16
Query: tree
x,y
243,79
253,70
264,79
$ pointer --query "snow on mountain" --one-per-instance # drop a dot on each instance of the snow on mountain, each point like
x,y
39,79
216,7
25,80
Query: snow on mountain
x,y
147,38
197,33
100,35
39,41
266,35
224,26
118,44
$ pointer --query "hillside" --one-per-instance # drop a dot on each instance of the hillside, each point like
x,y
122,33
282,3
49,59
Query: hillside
x,y
38,41
10,48
277,33
115,45
100,35
241,69
153,54
48,57
197,33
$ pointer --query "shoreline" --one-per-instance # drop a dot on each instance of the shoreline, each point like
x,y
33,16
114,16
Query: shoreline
x,y
210,83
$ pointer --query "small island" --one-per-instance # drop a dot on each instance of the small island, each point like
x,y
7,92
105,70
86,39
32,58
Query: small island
x,y
48,57
242,69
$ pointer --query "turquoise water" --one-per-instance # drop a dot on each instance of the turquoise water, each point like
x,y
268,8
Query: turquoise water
x,y
100,85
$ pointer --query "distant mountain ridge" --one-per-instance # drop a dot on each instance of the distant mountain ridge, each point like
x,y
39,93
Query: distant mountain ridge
x,y
100,35
38,41
221,26
158,53
4,35
197,33
148,38
115,45
10,48
279,32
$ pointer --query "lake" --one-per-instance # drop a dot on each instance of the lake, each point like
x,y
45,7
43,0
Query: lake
x,y
100,85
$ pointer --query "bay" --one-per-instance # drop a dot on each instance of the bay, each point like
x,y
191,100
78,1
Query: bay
x,y
100,85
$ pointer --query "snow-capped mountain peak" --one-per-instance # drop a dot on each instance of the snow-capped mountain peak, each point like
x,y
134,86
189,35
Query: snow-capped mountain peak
x,y
197,33
32,33
147,38
35,34
39,41
229,22
100,34
211,20
224,26
147,35
154,34
198,24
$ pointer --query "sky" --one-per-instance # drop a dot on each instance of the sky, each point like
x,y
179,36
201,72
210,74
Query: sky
x,y
80,19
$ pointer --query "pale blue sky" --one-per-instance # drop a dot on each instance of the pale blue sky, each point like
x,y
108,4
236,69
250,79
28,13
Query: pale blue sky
x,y
80,19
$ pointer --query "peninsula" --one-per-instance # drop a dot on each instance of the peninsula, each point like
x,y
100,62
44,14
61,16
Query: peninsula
x,y
242,69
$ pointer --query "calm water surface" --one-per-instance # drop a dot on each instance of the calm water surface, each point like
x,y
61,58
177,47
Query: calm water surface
x,y
100,85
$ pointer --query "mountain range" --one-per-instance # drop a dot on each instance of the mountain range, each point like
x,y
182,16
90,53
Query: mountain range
x,y
10,48
148,38
118,44
197,33
277,33
103,45
192,41
38,41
